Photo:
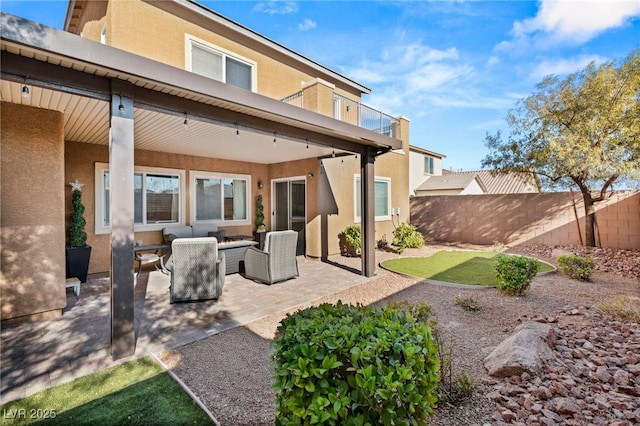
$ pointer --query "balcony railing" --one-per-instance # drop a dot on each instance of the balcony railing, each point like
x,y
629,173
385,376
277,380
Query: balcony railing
x,y
296,99
358,114
353,112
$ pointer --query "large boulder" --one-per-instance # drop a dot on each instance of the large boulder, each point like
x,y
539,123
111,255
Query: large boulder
x,y
526,350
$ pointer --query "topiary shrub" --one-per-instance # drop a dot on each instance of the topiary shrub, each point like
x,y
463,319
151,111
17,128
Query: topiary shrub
x,y
514,273
77,234
259,214
407,236
353,365
576,267
351,240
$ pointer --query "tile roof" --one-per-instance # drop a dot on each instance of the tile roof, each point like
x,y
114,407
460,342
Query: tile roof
x,y
499,182
448,181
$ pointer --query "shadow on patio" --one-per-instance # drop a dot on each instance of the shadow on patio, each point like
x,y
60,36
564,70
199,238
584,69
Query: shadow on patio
x,y
39,355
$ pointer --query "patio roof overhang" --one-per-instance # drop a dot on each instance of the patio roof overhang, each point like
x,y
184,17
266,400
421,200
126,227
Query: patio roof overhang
x,y
75,75
86,80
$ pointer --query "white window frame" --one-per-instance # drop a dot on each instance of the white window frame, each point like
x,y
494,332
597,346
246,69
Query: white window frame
x,y
356,188
190,40
433,164
101,168
196,174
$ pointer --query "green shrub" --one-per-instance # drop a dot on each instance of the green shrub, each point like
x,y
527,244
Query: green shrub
x,y
407,236
352,236
576,267
468,302
353,365
514,273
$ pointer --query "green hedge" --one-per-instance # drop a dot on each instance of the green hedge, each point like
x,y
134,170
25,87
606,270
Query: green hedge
x,y
514,273
407,236
576,267
353,365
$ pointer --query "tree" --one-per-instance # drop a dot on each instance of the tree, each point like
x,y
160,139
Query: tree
x,y
581,131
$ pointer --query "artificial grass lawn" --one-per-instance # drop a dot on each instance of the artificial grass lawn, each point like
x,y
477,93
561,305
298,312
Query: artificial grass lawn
x,y
464,267
138,392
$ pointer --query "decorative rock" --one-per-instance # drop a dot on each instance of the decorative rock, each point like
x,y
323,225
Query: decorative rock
x,y
525,351
621,378
566,406
601,386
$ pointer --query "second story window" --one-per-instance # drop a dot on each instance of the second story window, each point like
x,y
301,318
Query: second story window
x,y
215,63
428,165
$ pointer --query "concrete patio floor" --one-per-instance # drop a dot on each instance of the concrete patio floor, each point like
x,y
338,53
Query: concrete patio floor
x,y
36,356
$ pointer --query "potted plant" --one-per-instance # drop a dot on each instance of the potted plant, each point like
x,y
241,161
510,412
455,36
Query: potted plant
x,y
261,230
78,252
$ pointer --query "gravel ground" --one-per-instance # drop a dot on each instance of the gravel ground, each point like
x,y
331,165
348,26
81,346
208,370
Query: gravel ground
x,y
231,372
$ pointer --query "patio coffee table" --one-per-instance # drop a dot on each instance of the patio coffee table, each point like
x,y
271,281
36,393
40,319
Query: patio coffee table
x,y
234,254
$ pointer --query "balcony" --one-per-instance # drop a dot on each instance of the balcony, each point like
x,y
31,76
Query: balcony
x,y
353,112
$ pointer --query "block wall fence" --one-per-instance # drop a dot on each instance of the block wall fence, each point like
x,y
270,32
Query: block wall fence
x,y
514,219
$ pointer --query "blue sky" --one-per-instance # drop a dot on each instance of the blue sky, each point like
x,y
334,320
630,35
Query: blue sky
x,y
454,68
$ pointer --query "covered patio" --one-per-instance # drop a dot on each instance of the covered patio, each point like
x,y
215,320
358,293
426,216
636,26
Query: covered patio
x,y
39,355
115,99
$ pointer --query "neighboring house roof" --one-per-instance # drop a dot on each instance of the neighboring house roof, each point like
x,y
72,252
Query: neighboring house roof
x,y
498,182
449,181
425,151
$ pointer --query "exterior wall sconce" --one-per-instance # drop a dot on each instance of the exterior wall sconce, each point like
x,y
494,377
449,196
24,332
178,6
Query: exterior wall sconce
x,y
25,92
260,185
310,174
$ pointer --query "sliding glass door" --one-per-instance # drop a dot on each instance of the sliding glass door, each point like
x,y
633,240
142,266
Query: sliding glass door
x,y
289,210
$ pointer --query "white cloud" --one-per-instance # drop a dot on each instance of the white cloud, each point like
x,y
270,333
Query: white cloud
x,y
493,60
563,66
577,21
307,24
410,75
276,7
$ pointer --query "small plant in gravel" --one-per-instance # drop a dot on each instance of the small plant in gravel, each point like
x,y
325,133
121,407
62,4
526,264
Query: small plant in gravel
x,y
353,365
406,236
576,267
352,236
455,385
468,302
626,308
498,247
514,273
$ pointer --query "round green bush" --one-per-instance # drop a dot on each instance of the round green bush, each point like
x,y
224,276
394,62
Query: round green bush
x,y
407,236
576,267
514,273
353,365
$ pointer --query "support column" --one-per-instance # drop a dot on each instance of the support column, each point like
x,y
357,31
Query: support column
x,y
121,203
367,158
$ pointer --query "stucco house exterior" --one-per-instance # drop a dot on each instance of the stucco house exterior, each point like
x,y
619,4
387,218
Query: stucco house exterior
x,y
142,101
423,164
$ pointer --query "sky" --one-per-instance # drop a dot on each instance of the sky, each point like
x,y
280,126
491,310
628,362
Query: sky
x,y
453,68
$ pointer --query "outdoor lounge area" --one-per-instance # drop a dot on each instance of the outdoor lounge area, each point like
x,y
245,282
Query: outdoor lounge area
x,y
38,355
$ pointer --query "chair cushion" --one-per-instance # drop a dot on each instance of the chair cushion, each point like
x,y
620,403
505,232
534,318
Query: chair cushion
x,y
177,231
203,230
219,235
